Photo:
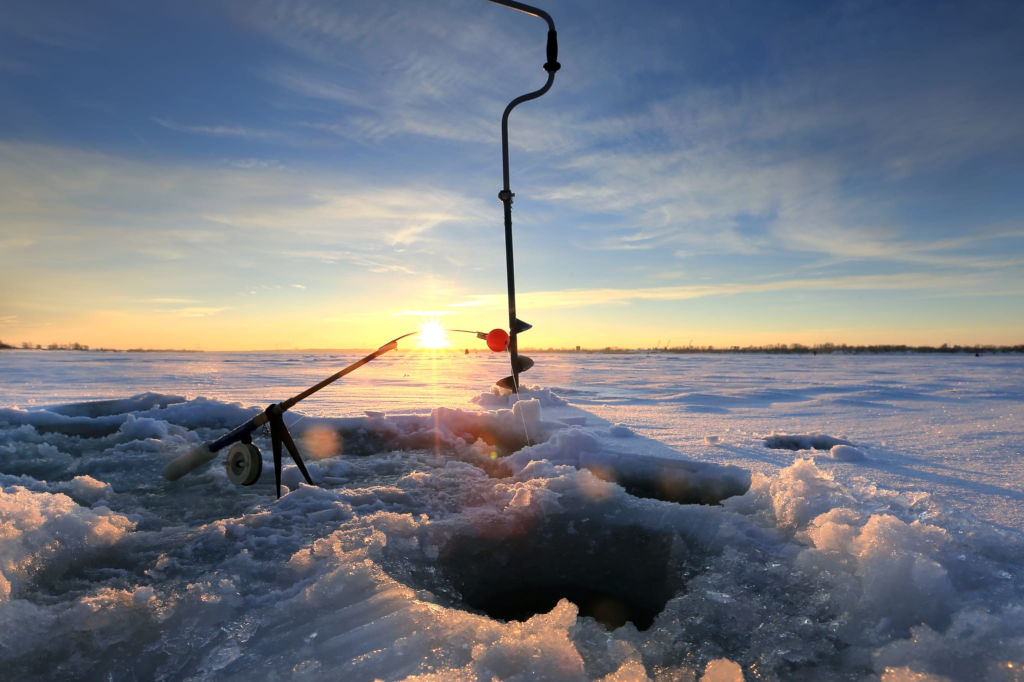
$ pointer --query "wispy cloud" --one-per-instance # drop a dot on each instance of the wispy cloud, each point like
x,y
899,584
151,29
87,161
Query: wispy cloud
x,y
169,300
223,131
579,298
379,263
179,231
73,27
401,70
197,311
732,154
826,154
49,189
425,314
18,67
16,242
845,243
255,164
393,216
303,84
377,115
724,166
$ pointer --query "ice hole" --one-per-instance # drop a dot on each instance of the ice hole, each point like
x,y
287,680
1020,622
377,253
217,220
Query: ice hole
x,y
614,574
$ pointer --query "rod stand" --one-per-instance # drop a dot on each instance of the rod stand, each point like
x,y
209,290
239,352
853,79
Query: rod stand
x,y
279,436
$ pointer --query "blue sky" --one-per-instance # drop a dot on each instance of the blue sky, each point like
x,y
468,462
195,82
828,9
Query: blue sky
x,y
282,174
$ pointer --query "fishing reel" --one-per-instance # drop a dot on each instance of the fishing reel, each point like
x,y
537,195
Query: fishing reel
x,y
244,464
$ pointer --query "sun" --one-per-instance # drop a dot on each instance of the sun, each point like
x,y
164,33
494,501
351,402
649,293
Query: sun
x,y
432,335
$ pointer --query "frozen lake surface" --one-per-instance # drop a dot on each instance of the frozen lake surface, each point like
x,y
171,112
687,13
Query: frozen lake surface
x,y
871,523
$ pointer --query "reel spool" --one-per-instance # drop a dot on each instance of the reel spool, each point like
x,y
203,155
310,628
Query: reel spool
x,y
244,464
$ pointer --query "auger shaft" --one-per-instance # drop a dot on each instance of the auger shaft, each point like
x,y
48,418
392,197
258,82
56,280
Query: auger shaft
x,y
506,195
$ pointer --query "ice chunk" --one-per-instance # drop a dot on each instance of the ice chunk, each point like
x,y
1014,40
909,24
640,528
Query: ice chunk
x,y
722,670
846,453
42,534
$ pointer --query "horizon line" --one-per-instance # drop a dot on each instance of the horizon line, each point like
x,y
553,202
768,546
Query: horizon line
x,y
776,348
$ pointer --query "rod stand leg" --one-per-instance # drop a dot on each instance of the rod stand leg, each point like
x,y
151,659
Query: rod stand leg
x,y
279,437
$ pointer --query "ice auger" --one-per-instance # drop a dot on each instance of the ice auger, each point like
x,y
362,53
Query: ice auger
x,y
520,363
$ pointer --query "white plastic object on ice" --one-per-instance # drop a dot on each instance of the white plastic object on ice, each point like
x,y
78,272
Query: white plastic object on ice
x,y
194,458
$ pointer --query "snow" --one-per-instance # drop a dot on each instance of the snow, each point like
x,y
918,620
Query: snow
x,y
631,517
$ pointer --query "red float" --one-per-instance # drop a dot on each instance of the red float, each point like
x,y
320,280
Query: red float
x,y
497,340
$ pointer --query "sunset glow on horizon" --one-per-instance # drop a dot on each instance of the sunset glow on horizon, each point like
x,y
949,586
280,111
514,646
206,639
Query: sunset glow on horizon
x,y
305,174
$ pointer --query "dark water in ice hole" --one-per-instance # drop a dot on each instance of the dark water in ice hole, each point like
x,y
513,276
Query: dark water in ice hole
x,y
613,573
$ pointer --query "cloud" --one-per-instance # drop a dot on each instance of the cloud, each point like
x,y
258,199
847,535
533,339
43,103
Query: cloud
x,y
773,171
844,243
377,214
73,27
578,298
191,240
257,164
405,42
836,151
426,314
197,311
18,67
47,192
401,69
303,84
16,242
169,300
378,114
224,131
790,152
480,301
376,263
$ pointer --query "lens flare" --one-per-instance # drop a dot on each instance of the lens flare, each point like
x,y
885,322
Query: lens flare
x,y
432,335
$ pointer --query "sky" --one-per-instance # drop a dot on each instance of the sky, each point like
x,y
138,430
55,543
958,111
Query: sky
x,y
278,174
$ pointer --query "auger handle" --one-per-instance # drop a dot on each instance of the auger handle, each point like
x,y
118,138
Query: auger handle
x,y
552,64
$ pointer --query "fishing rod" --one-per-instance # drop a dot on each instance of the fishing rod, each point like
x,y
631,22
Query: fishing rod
x,y
520,363
244,462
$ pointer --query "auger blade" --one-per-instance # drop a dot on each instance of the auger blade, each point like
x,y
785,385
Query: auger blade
x,y
523,363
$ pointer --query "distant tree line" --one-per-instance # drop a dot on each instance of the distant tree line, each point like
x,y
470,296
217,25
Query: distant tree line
x,y
778,349
25,345
797,349
826,348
